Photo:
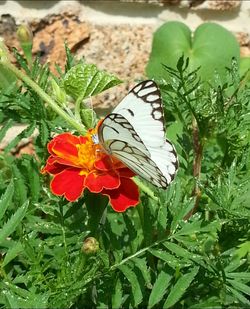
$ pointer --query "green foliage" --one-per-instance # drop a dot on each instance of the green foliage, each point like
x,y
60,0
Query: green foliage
x,y
203,47
157,255
77,82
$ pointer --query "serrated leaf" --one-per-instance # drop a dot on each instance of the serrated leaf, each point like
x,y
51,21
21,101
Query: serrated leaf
x,y
5,128
104,257
31,301
180,210
135,286
6,199
180,288
239,275
69,58
189,228
165,256
141,263
46,227
234,264
240,286
12,253
211,303
239,296
117,295
24,134
43,132
19,185
85,80
178,250
16,289
10,226
159,289
11,300
34,180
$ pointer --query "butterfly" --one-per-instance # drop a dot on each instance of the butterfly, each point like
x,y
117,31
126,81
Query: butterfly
x,y
134,133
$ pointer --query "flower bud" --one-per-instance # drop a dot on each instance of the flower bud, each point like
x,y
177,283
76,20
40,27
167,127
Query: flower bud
x,y
90,246
87,115
58,93
25,38
24,35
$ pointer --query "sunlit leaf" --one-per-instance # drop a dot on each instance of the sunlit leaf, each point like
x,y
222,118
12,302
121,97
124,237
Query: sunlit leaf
x,y
159,288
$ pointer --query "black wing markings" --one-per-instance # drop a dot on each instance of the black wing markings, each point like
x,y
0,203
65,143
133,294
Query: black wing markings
x,y
153,98
152,173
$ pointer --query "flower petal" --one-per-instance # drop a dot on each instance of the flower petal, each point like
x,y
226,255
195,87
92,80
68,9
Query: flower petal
x,y
68,183
104,164
126,172
65,146
127,195
52,167
96,182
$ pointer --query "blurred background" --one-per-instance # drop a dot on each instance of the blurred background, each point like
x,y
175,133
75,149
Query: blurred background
x,y
115,35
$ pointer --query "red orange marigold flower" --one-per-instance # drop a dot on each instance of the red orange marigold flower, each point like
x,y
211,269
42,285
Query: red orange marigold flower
x,y
77,163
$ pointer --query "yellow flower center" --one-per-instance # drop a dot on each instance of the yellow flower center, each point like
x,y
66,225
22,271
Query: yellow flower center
x,y
88,153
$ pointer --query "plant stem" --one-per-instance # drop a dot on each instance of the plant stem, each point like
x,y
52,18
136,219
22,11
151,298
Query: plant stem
x,y
198,151
78,126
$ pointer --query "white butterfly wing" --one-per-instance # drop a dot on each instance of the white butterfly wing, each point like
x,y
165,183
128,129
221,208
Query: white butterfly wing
x,y
134,133
138,162
116,127
142,107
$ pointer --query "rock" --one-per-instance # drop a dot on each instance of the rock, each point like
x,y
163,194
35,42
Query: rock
x,y
51,33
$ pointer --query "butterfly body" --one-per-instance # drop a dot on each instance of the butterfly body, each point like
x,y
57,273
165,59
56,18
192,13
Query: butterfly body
x,y
134,133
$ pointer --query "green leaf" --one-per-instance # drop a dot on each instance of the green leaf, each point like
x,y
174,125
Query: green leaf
x,y
165,256
235,263
180,288
243,249
24,134
239,275
159,289
203,47
19,184
12,301
46,227
43,132
178,250
6,77
13,222
245,67
33,177
12,253
189,228
6,199
85,80
240,286
6,126
117,295
239,296
35,301
211,303
70,60
135,286
141,263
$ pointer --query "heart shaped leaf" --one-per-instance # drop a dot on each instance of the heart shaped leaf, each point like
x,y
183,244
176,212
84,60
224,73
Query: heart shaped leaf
x,y
211,47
